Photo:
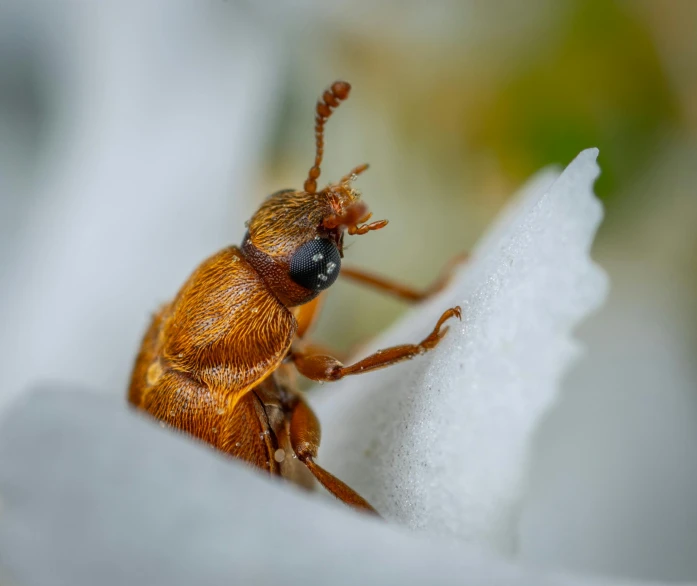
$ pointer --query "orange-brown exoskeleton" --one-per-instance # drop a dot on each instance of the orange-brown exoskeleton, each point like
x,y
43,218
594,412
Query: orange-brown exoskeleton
x,y
217,361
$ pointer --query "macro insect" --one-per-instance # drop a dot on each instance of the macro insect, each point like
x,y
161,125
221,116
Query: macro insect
x,y
218,362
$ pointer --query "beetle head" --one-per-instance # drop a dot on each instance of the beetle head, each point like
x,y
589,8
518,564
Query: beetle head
x,y
296,238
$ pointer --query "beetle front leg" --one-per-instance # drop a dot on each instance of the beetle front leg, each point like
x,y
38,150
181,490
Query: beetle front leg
x,y
304,438
307,314
404,292
320,367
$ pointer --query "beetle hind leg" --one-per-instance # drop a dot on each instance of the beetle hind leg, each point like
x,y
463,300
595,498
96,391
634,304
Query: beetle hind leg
x,y
338,488
305,438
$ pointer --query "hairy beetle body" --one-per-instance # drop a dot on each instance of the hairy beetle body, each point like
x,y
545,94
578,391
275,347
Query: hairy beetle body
x,y
218,361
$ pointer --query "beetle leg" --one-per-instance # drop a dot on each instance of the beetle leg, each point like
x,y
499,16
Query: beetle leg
x,y
307,314
403,291
353,174
305,436
321,367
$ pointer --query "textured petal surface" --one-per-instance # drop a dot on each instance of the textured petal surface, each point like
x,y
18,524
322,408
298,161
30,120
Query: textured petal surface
x,y
441,443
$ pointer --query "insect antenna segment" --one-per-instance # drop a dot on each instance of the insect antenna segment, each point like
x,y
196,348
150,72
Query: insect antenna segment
x,y
331,98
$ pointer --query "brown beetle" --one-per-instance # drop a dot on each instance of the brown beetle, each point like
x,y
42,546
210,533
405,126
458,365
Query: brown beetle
x,y
217,361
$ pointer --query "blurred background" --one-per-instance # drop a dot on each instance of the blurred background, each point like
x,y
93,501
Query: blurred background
x,y
136,139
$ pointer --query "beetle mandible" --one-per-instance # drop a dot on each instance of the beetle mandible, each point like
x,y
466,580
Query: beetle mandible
x,y
217,361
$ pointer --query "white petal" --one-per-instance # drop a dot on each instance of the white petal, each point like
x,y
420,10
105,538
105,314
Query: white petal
x,y
440,443
91,494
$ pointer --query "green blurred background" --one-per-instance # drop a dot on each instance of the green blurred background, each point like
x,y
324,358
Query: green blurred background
x,y
456,106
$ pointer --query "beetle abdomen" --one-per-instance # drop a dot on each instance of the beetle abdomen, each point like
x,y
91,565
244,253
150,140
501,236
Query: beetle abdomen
x,y
202,354
225,328
178,400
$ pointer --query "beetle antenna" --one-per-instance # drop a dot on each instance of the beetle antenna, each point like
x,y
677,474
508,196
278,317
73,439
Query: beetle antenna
x,y
331,98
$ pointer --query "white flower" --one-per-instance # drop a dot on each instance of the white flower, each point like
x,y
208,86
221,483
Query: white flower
x,y
438,444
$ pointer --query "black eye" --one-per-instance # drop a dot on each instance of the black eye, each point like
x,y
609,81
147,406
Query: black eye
x,y
315,265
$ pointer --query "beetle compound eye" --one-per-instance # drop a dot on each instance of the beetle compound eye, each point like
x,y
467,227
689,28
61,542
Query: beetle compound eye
x,y
316,264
